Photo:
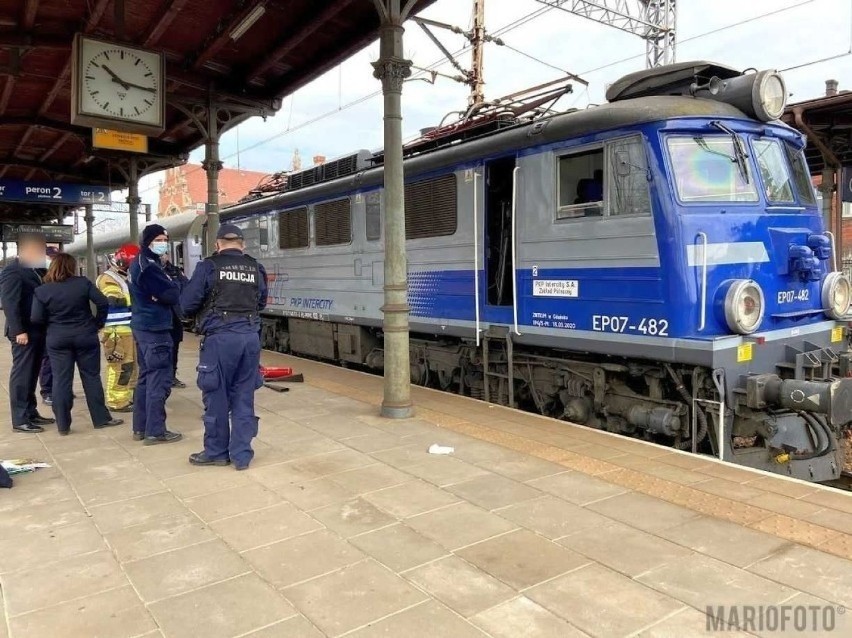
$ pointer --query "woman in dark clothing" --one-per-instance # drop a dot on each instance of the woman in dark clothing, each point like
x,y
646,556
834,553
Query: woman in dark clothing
x,y
62,303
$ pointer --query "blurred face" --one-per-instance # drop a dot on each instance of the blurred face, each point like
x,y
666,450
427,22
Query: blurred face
x,y
33,253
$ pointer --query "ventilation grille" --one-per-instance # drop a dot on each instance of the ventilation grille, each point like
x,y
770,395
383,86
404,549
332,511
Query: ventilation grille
x,y
333,221
430,208
348,165
293,228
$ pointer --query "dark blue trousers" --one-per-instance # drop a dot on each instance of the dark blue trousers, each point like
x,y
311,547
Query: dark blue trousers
x,y
228,376
23,378
45,377
154,358
83,349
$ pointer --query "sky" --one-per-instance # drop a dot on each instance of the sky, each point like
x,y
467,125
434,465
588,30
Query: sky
x,y
318,119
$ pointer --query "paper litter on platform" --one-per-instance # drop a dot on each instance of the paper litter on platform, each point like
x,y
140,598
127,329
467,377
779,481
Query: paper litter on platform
x,y
21,466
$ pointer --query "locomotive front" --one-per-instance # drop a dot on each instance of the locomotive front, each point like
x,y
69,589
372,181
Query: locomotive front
x,y
769,301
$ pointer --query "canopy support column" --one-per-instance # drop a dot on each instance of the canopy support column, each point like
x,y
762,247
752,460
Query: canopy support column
x,y
91,266
392,69
212,165
133,199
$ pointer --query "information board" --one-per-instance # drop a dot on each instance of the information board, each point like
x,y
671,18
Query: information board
x,y
12,190
53,233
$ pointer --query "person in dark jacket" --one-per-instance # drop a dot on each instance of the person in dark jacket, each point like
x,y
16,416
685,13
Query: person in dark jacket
x,y
45,377
176,275
18,282
62,304
226,293
153,297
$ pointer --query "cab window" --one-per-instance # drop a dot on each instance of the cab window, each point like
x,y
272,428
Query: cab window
x,y
801,174
774,172
706,170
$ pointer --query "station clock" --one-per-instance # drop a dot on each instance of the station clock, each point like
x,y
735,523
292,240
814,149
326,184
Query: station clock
x,y
117,86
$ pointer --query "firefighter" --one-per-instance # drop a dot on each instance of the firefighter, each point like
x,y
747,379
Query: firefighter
x,y
226,293
117,338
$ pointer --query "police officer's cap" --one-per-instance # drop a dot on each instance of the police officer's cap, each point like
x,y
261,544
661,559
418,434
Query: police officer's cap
x,y
229,231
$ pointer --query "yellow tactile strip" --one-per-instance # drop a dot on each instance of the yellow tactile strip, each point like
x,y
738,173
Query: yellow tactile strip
x,y
779,525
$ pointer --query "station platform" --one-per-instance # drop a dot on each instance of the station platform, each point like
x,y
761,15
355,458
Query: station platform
x,y
345,525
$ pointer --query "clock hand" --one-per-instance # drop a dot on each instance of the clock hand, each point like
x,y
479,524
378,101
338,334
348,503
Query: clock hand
x,y
115,78
142,88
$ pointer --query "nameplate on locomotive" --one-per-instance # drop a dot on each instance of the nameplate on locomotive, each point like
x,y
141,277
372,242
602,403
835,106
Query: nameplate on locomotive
x,y
556,288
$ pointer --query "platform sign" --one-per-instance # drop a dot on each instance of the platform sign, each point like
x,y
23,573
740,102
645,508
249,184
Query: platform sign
x,y
846,184
53,233
119,140
62,193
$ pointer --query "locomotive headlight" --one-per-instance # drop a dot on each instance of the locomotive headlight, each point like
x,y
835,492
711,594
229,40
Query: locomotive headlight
x,y
762,95
836,295
744,306
770,96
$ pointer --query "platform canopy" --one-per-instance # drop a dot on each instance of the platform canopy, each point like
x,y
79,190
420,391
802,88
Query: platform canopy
x,y
827,121
293,42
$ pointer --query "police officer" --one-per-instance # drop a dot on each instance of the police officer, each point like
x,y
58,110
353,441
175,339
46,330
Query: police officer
x,y
117,338
152,296
226,293
176,275
18,282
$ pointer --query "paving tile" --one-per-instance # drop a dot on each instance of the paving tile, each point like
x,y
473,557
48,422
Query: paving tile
x,y
689,623
445,470
31,490
811,571
459,525
158,536
181,570
104,468
295,627
262,527
41,517
411,499
521,467
399,547
552,517
312,494
833,519
577,487
815,620
712,582
796,530
429,620
460,586
75,577
522,617
643,511
725,541
352,597
117,613
223,610
331,463
730,489
795,508
102,492
601,602
522,559
199,481
370,478
213,507
834,499
135,511
352,517
493,491
27,551
403,457
793,488
302,557
376,442
625,549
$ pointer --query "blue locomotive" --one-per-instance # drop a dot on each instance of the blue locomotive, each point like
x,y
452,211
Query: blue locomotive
x,y
655,266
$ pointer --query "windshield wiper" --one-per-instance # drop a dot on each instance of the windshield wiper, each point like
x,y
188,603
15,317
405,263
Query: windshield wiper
x,y
740,156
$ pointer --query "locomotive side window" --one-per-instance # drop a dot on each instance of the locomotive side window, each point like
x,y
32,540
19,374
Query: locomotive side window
x,y
431,207
627,178
773,171
801,175
373,202
706,169
333,222
581,185
293,228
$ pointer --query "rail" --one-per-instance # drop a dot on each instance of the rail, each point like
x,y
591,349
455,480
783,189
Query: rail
x,y
703,320
515,248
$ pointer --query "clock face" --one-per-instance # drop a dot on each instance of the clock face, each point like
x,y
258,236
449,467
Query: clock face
x,y
120,83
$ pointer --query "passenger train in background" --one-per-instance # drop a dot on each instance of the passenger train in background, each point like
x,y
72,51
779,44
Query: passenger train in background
x,y
655,266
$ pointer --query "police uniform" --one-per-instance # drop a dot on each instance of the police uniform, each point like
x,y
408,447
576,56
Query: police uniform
x,y
152,296
226,293
117,339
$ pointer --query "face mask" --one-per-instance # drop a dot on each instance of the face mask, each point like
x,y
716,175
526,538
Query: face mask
x,y
160,247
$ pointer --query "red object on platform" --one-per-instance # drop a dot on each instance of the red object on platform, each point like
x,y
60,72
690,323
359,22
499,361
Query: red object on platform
x,y
275,373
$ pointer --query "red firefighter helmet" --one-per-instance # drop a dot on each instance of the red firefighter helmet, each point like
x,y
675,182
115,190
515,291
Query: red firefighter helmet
x,y
124,255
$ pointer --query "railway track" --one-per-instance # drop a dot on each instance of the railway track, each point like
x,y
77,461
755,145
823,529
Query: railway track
x,y
843,483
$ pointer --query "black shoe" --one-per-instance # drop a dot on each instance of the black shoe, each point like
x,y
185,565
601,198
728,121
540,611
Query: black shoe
x,y
239,467
138,436
109,424
166,437
29,428
64,432
200,458
177,383
125,410
41,420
